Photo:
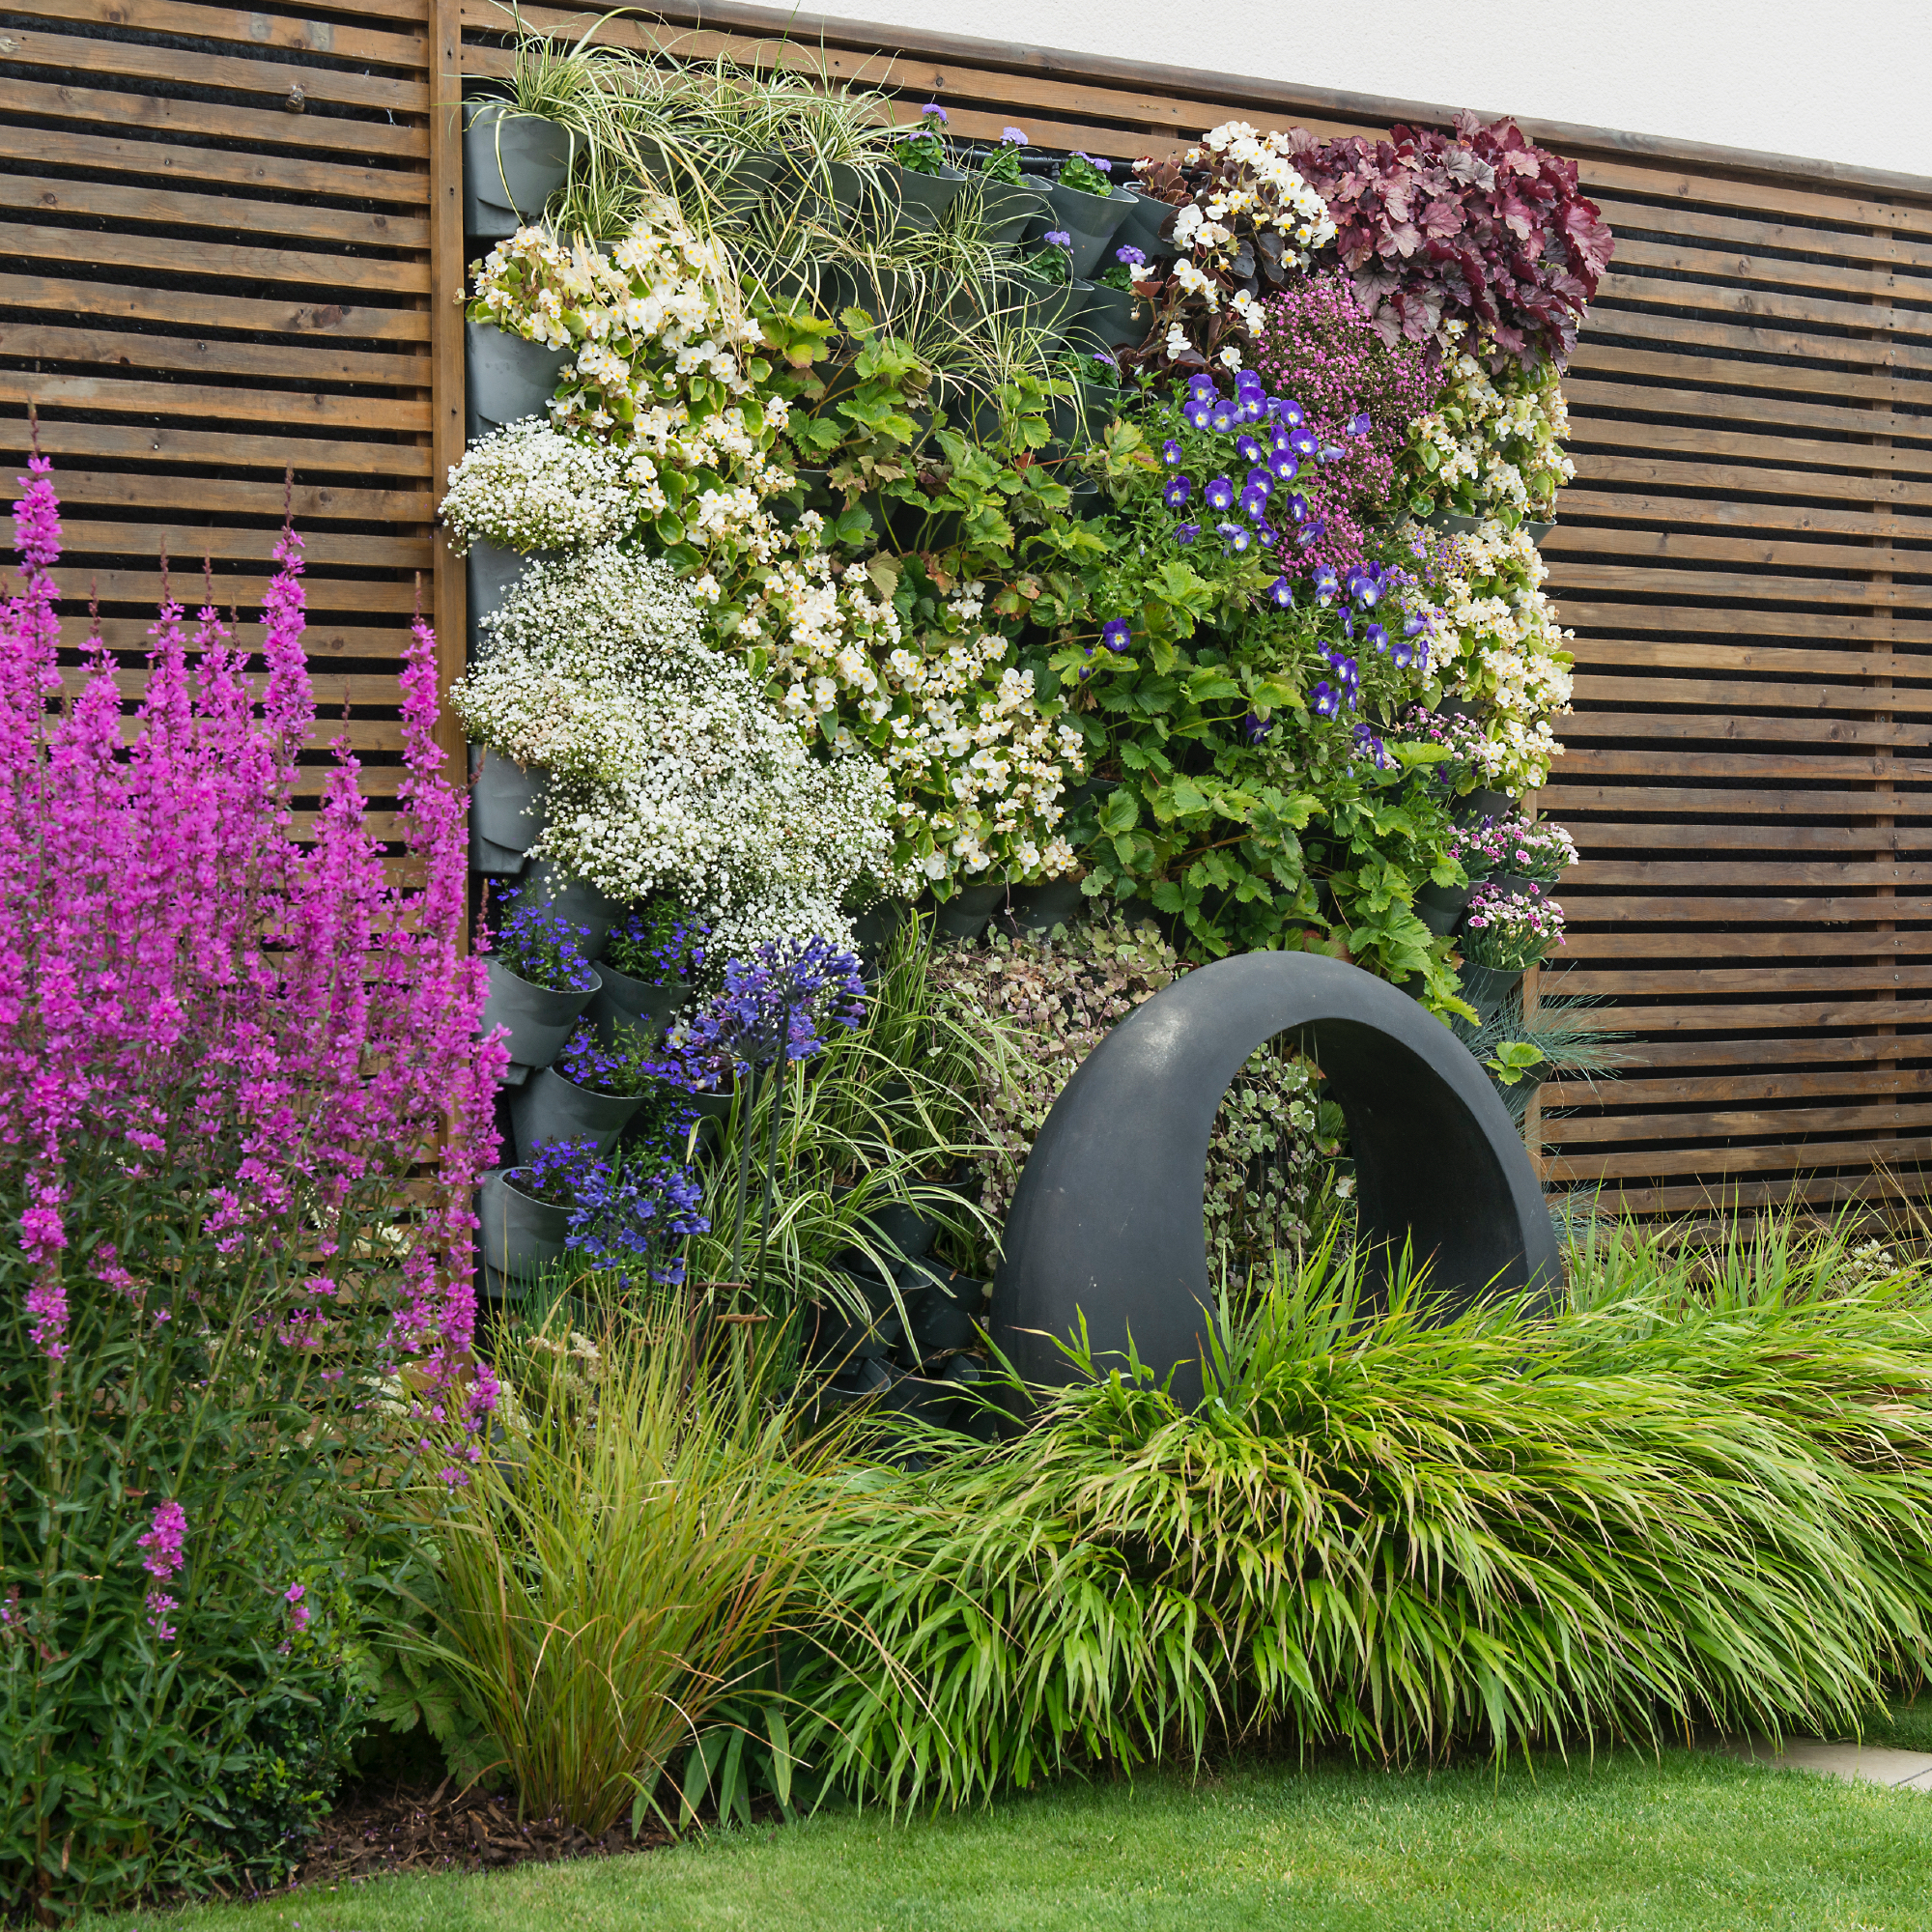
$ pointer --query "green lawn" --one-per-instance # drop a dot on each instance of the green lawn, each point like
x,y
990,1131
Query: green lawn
x,y
1628,1844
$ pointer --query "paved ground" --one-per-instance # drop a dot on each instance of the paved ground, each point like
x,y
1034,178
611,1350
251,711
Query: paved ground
x,y
1869,1764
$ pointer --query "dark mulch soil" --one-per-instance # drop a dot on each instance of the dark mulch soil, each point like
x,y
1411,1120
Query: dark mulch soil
x,y
376,1829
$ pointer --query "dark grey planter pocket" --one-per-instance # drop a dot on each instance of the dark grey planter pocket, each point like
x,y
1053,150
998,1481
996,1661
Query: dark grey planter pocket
x,y
1538,531
1486,987
1089,221
512,164
622,1001
486,858
945,1306
748,180
578,902
548,1108
492,573
1112,319
923,199
1439,907
905,1226
506,378
1455,522
521,1237
507,801
1009,211
1481,803
1041,907
968,913
1145,219
540,1018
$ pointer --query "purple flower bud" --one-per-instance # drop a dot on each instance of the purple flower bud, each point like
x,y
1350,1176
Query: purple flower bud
x,y
932,111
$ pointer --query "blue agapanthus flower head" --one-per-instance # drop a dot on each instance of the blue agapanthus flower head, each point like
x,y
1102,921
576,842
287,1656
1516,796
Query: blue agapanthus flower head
x,y
1170,451
1178,490
1132,257
1325,700
1281,593
1185,534
1248,449
1220,493
1116,635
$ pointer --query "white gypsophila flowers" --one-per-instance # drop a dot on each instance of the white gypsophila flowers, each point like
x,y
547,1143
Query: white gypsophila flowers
x,y
529,487
670,769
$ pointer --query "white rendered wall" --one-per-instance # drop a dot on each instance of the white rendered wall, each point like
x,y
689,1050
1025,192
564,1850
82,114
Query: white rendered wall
x,y
1842,80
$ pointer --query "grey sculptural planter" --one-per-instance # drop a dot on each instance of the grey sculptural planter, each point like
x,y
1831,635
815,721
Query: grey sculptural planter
x,y
1538,531
507,800
512,164
637,1004
1112,319
548,1108
594,913
1488,987
521,1237
1440,907
539,1018
1010,211
968,913
1475,806
505,376
1145,219
1106,1224
922,198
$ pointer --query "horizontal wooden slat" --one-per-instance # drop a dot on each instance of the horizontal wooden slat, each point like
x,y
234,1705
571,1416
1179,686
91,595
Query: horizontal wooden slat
x,y
1693,259
77,583
165,442
1711,1160
297,315
280,410
320,362
402,46
1733,1123
187,540
1753,981
1845,244
196,496
1656,731
1588,763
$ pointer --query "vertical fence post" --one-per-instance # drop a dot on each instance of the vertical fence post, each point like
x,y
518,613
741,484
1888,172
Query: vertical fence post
x,y
445,177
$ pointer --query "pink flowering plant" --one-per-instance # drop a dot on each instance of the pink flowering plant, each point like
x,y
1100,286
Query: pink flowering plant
x,y
1509,931
247,1109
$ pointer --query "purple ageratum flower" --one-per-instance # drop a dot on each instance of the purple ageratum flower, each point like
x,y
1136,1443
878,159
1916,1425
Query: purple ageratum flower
x,y
1178,490
1094,161
1284,465
1057,238
1116,635
1325,700
932,111
1013,137
1170,451
1235,537
1253,501
1281,593
1248,449
1220,493
1185,534
1131,256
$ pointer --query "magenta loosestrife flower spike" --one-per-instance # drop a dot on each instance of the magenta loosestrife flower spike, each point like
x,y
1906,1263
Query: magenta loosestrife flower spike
x,y
184,983
163,1542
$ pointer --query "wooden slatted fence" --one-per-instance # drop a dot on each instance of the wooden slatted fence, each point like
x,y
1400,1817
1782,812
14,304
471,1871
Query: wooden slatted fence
x,y
202,288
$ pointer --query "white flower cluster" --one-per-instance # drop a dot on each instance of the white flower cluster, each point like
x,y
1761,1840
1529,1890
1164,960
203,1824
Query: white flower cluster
x,y
1256,186
670,769
529,487
1504,646
978,767
1493,442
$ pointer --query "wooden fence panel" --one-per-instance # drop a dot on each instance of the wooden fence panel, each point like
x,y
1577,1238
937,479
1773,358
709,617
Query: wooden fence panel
x,y
215,228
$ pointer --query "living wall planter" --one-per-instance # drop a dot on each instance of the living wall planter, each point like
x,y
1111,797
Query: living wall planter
x,y
1475,806
1089,221
1486,987
1041,907
580,902
539,1018
548,1108
968,913
1145,219
923,199
637,1004
1009,211
491,573
1051,307
505,376
521,1237
512,164
1538,531
509,802
1440,907
1113,318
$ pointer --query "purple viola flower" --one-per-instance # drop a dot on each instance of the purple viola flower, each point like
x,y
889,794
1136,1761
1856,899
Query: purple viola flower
x,y
1349,625
1302,443
1131,256
1377,637
1185,534
1325,700
1220,493
1325,585
1253,501
1013,137
1255,729
1196,413
1178,490
1170,451
1281,593
1234,538
1286,411
1312,532
1346,669
1266,533
1330,452
1402,654
1361,423
932,111
1116,635
1086,671
1284,465
1368,746
1414,624
1252,407
1248,449
1297,508
1259,478
1223,417
1203,384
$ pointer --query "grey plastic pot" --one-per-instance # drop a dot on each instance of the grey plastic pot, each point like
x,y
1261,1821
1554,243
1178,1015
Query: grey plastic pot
x,y
1486,987
905,1226
493,573
1051,307
548,1108
1112,319
923,199
1141,229
1455,522
578,902
1008,211
1479,805
1439,907
1538,531
748,180
486,858
1039,908
540,1018
508,801
506,378
521,1237
968,913
622,1001
512,164
1089,221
